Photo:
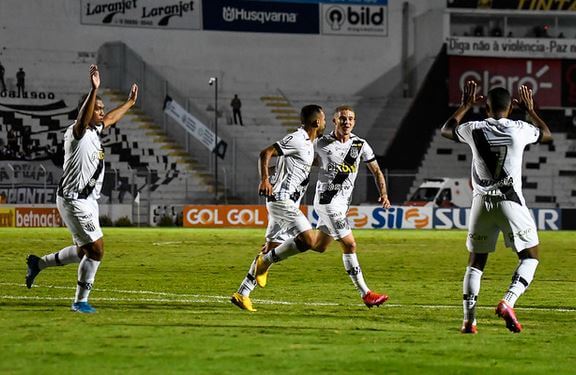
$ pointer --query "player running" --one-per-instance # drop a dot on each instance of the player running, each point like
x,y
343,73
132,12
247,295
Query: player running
x,y
339,155
79,190
497,145
283,192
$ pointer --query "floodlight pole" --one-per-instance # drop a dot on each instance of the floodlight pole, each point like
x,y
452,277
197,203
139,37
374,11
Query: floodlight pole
x,y
216,139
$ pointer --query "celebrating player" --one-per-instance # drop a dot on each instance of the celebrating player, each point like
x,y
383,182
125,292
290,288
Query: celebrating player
x,y
497,145
296,154
79,190
339,154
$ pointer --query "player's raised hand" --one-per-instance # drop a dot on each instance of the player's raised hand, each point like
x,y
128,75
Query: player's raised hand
x,y
526,101
469,97
133,93
94,76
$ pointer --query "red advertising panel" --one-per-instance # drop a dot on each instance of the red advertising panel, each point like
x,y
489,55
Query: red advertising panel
x,y
38,217
543,76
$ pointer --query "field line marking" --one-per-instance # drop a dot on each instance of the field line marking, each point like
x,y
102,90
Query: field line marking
x,y
199,298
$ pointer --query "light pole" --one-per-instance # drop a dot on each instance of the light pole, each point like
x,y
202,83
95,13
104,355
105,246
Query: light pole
x,y
214,82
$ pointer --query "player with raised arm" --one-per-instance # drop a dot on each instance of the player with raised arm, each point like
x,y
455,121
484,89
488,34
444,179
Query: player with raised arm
x,y
295,154
78,191
339,155
497,145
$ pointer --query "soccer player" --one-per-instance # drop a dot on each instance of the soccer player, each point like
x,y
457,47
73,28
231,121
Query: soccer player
x,y
283,191
497,145
78,191
339,155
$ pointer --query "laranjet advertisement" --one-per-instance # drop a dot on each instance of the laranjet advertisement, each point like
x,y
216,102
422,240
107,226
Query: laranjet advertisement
x,y
257,16
165,14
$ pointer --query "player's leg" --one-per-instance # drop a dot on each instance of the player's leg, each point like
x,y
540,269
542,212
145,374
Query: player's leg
x,y
520,233
297,226
481,240
67,255
353,269
471,289
85,228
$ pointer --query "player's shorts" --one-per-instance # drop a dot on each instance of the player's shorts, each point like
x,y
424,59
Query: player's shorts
x,y
285,220
82,219
491,214
332,219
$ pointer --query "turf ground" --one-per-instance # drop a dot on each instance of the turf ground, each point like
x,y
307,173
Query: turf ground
x,y
163,307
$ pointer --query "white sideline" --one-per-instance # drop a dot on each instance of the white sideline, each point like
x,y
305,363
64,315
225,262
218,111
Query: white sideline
x,y
199,298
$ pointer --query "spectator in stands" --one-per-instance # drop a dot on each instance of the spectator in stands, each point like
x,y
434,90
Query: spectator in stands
x,y
2,71
13,147
26,137
123,188
78,191
498,145
20,75
236,104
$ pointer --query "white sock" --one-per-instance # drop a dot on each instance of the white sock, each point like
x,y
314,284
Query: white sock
x,y
470,290
523,276
353,269
249,282
65,256
86,274
286,249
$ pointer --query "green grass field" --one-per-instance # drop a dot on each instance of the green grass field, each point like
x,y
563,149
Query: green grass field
x,y
163,307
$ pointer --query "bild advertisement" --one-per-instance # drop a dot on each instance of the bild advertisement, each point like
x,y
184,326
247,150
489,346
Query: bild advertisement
x,y
165,14
362,20
257,16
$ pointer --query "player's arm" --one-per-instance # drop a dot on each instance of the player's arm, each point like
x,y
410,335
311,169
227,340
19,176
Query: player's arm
x,y
380,183
117,113
527,103
469,98
265,187
87,110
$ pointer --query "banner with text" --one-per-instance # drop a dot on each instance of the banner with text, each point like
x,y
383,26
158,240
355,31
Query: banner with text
x,y
29,182
542,76
361,20
221,216
259,16
194,127
535,5
511,47
164,14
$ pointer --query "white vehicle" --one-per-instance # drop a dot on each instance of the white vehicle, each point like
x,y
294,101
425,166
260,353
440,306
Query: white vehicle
x,y
442,192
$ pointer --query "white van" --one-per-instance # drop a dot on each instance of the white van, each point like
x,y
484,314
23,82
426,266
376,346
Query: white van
x,y
442,192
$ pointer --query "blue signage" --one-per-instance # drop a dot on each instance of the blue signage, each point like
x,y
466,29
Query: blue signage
x,y
259,16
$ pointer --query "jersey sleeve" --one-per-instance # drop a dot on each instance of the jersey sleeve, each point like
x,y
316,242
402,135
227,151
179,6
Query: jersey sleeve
x,y
463,133
367,153
287,145
530,133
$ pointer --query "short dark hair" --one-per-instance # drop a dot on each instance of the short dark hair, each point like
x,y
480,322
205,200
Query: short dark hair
x,y
308,111
83,99
499,99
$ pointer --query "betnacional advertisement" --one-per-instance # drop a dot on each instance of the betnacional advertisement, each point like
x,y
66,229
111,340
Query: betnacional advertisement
x,y
38,217
543,76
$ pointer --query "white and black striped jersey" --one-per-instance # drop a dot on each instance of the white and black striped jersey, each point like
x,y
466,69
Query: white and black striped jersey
x,y
83,164
296,154
338,163
497,150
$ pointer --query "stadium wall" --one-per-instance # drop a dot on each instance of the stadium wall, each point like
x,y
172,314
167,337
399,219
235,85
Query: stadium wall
x,y
49,40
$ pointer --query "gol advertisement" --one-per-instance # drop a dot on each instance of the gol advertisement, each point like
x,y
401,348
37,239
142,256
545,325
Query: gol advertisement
x,y
213,216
